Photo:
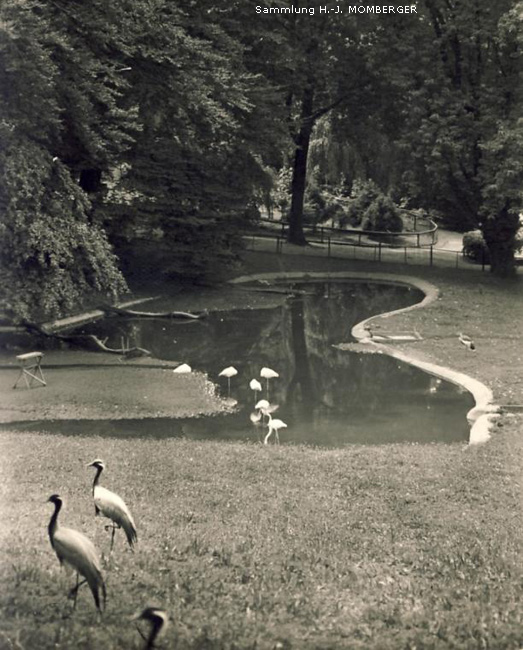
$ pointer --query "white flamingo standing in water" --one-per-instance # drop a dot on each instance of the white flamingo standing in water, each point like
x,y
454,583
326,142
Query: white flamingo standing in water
x,y
228,372
268,373
256,387
77,551
274,427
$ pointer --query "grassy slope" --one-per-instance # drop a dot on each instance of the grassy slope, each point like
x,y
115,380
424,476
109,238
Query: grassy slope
x,y
401,546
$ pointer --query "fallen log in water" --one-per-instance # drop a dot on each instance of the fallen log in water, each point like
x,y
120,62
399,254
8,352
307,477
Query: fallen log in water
x,y
131,313
88,341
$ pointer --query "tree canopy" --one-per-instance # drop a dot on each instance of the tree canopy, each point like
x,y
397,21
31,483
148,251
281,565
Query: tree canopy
x,y
172,119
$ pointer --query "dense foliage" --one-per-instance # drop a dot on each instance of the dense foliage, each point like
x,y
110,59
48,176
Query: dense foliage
x,y
173,121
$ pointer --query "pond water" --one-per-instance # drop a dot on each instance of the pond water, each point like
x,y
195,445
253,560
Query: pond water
x,y
326,396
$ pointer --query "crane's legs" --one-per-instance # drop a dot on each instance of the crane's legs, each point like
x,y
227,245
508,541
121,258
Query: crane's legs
x,y
112,526
74,591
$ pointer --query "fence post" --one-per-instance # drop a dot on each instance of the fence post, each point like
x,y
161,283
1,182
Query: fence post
x,y
321,234
431,254
417,237
379,252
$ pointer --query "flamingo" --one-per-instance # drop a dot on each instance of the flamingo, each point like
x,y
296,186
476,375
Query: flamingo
x,y
256,387
274,427
184,368
76,550
110,505
268,373
264,408
158,620
228,372
467,341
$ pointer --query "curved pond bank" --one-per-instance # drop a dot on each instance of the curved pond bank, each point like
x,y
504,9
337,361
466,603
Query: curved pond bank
x,y
484,412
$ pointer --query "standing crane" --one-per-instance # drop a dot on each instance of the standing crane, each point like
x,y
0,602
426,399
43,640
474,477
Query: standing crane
x,y
158,620
110,505
76,550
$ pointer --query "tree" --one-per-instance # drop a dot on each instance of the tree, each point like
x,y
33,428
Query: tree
x,y
53,255
199,160
462,122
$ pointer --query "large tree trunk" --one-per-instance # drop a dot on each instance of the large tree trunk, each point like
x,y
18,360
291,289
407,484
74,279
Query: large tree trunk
x,y
296,234
500,236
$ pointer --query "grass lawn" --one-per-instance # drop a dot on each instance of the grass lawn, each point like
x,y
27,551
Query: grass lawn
x,y
389,547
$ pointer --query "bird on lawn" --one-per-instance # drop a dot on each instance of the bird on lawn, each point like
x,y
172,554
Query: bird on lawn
x,y
268,373
256,387
77,551
228,372
467,341
274,427
110,505
158,620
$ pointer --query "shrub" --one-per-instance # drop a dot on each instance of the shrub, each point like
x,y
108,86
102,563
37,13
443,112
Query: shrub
x,y
474,247
382,215
363,194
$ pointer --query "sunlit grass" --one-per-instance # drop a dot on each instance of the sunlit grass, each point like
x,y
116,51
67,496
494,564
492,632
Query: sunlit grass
x,y
249,546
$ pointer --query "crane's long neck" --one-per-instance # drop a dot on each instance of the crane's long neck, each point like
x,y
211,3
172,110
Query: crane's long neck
x,y
99,470
156,626
53,524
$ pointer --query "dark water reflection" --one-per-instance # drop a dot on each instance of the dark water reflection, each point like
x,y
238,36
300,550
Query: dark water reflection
x,y
326,396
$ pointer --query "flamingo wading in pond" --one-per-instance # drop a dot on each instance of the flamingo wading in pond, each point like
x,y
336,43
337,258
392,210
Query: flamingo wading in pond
x,y
268,373
158,620
255,385
228,372
77,551
110,505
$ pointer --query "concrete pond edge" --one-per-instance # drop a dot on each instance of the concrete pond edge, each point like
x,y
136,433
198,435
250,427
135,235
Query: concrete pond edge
x,y
480,417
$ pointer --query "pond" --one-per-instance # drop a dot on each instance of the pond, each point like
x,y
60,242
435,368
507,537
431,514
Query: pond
x,y
326,396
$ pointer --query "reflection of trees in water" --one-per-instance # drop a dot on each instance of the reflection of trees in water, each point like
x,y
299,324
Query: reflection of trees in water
x,y
325,394
295,339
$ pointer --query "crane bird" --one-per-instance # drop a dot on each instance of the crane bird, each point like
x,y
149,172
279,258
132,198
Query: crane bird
x,y
228,372
255,385
76,550
110,505
467,341
268,373
274,427
158,619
